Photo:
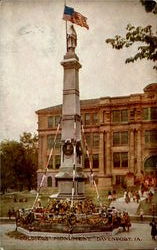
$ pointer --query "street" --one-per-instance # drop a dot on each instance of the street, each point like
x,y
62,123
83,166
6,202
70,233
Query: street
x,y
138,238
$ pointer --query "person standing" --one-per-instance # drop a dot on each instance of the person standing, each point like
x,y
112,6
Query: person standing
x,y
153,229
127,221
141,214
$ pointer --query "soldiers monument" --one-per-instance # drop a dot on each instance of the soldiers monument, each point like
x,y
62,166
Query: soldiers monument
x,y
70,177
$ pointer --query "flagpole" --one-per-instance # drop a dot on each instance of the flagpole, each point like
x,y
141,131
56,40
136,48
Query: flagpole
x,y
66,29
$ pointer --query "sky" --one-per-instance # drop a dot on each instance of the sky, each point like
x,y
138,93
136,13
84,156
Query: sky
x,y
32,45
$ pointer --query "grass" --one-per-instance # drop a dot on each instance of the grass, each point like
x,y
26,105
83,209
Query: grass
x,y
149,207
7,200
103,193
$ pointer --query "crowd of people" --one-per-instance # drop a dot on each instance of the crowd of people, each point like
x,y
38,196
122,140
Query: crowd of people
x,y
136,196
119,218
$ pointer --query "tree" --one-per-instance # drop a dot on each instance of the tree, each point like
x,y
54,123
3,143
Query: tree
x,y
150,5
12,160
29,143
19,163
139,35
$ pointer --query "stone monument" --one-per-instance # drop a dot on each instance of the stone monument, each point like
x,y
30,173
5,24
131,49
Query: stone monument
x,y
68,216
70,178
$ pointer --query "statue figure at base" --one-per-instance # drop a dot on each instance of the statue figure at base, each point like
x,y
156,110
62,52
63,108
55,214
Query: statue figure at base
x,y
71,39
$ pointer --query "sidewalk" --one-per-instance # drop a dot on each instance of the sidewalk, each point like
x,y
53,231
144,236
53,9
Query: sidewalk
x,y
130,207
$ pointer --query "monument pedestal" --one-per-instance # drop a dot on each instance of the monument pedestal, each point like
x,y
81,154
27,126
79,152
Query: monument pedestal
x,y
65,188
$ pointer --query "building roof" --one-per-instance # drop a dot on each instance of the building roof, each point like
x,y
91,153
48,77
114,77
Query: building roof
x,y
151,88
95,103
84,103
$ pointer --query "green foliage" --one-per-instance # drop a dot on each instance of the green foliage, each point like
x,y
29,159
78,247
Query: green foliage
x,y
11,153
142,36
150,5
28,140
19,163
29,143
138,35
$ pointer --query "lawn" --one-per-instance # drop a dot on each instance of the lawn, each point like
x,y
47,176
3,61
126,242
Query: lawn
x,y
103,193
149,208
7,200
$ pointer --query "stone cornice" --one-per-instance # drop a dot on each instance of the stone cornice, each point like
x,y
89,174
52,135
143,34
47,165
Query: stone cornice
x,y
71,63
71,91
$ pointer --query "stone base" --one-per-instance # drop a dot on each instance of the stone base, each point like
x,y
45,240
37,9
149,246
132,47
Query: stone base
x,y
65,187
63,196
66,235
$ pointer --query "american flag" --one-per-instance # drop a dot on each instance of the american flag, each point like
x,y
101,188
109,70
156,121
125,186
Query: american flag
x,y
75,17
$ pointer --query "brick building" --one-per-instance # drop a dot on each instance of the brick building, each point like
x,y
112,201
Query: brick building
x,y
121,133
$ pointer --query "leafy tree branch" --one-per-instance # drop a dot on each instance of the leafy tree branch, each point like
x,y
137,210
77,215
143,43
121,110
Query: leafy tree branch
x,y
144,37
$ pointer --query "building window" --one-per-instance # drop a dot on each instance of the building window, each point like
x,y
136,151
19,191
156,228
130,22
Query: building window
x,y
96,140
88,139
58,141
92,140
120,115
87,119
50,164
120,138
95,161
49,181
53,121
50,122
57,161
120,179
149,114
151,136
57,120
50,141
124,115
120,160
86,162
95,118
104,117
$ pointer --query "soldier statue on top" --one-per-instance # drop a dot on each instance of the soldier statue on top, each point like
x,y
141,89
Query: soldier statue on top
x,y
71,39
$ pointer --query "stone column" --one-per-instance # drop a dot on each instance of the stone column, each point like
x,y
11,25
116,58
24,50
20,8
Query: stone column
x,y
132,151
108,153
44,151
101,154
42,158
40,154
139,152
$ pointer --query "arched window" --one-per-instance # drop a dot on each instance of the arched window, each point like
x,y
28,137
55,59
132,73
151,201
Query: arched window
x,y
150,164
49,181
